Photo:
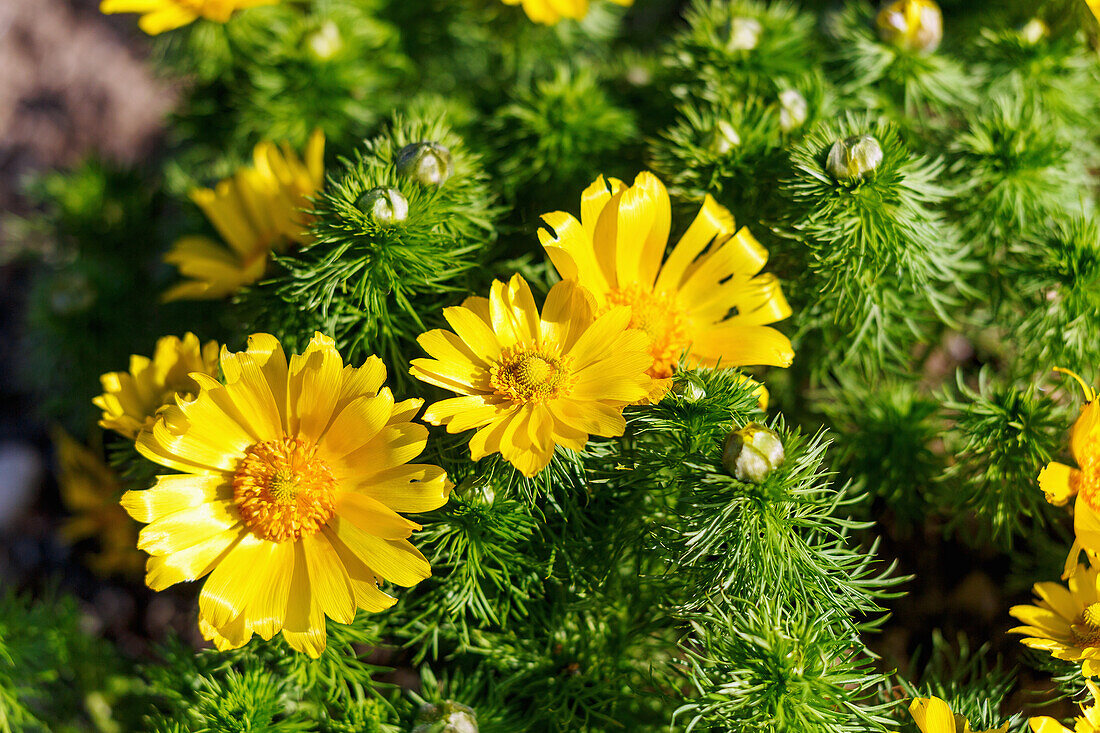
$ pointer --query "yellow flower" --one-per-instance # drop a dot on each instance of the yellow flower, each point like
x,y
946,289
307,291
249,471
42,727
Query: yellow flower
x,y
1094,6
292,477
131,399
256,211
164,15
933,715
1088,722
531,383
616,249
1065,621
90,490
1060,482
550,12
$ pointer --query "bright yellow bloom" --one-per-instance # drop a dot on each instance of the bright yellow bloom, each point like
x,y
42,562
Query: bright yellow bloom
x,y
90,490
1094,6
1061,482
1088,722
257,211
165,15
533,382
933,715
131,399
1065,621
550,12
616,249
292,477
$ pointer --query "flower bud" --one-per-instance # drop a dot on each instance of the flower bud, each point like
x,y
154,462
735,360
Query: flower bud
x,y
752,453
386,205
1034,31
325,42
911,25
744,34
689,389
428,163
446,717
854,157
793,110
724,138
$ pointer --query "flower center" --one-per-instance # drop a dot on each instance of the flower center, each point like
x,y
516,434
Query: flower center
x,y
1086,481
283,490
659,316
1087,632
528,374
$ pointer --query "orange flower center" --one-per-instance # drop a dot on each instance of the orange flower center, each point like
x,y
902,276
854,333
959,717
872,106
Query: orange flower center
x,y
659,316
529,374
283,490
1086,481
1087,631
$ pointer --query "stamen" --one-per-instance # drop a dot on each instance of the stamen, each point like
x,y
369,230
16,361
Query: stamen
x,y
659,316
283,490
527,374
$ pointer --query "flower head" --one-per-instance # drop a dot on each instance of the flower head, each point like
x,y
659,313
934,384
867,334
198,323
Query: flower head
x,y
1087,722
1065,620
531,382
933,715
615,251
292,479
130,400
158,16
90,490
549,12
1060,482
257,211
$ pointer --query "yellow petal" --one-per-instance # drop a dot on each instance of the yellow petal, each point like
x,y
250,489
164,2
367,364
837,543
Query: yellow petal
x,y
394,445
328,579
593,418
733,346
232,584
593,343
374,517
395,560
932,715
464,413
571,251
190,563
313,387
357,424
712,220
173,493
566,314
474,331
166,18
410,488
1043,724
304,627
187,528
364,581
267,607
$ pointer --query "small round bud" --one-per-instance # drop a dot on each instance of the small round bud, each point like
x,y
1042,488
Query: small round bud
x,y
744,34
429,164
911,25
386,205
752,453
325,42
724,138
1034,31
446,717
689,389
793,110
854,157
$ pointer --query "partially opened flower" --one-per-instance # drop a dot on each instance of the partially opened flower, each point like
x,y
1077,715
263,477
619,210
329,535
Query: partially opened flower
x,y
1065,620
550,12
1087,722
706,300
1060,482
292,477
257,211
530,382
130,400
158,16
933,715
90,491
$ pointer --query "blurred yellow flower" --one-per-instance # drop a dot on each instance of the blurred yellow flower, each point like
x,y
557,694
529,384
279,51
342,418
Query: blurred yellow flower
x,y
1060,482
616,250
1094,6
257,211
158,16
1087,722
130,400
292,479
90,490
531,382
550,12
1065,620
933,715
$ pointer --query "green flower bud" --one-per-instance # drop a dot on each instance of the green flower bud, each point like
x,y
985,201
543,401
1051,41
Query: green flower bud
x,y
793,110
911,25
325,42
386,205
752,453
428,163
689,389
1034,31
446,717
744,34
724,138
854,157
